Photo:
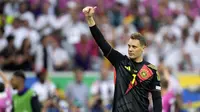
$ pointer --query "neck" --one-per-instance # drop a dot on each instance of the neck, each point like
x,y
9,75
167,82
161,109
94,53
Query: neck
x,y
139,59
103,79
163,92
21,88
78,82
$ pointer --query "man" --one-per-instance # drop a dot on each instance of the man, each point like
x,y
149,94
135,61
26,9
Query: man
x,y
77,91
44,88
103,89
135,78
25,100
168,98
8,54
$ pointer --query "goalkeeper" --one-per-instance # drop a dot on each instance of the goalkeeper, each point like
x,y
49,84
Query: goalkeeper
x,y
135,77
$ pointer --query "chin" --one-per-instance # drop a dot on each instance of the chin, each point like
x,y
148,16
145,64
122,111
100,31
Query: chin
x,y
131,57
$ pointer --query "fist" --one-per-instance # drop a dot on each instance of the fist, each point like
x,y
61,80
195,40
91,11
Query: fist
x,y
89,11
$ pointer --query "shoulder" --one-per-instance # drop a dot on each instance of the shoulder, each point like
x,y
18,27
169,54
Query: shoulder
x,y
125,59
32,94
85,86
71,85
35,85
151,66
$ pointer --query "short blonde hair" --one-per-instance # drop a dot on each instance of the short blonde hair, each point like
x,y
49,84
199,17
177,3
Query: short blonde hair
x,y
140,37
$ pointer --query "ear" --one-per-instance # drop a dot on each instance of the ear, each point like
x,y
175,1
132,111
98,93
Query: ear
x,y
143,47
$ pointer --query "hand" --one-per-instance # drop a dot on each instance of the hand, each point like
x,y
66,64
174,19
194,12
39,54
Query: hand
x,y
89,11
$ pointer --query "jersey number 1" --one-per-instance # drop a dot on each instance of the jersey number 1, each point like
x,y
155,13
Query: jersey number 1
x,y
134,76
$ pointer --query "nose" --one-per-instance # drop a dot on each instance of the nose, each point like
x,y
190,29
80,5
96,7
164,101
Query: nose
x,y
130,49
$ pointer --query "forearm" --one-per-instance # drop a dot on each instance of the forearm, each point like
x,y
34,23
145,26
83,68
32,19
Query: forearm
x,y
100,40
112,55
157,101
90,21
36,106
4,78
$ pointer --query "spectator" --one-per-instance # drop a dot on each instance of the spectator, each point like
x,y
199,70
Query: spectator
x,y
103,90
25,99
60,56
115,15
31,34
192,48
168,98
173,25
24,13
43,24
8,54
18,30
44,88
43,55
75,28
10,8
23,57
83,56
77,92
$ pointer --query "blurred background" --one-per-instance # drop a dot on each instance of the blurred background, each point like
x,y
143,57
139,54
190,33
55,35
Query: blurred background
x,y
50,40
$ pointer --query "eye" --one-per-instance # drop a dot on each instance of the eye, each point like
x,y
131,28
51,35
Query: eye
x,y
134,47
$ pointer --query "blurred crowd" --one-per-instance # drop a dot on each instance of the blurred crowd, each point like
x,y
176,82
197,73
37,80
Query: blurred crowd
x,y
44,96
52,34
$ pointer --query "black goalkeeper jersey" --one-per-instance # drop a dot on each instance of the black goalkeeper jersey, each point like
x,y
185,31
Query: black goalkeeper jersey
x,y
133,82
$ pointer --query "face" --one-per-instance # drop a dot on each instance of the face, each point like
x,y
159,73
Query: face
x,y
79,75
14,82
43,77
135,49
45,41
55,44
45,7
104,73
23,7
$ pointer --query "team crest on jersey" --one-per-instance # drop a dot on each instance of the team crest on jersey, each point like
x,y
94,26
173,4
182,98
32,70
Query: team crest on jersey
x,y
145,73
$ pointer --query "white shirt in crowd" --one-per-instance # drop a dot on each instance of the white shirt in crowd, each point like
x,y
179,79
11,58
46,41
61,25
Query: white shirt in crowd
x,y
44,90
105,87
39,63
193,49
59,56
73,31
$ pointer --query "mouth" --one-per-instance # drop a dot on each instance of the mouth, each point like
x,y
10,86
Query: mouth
x,y
131,54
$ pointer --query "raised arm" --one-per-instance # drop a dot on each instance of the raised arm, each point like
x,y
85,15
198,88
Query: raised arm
x,y
112,55
4,78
